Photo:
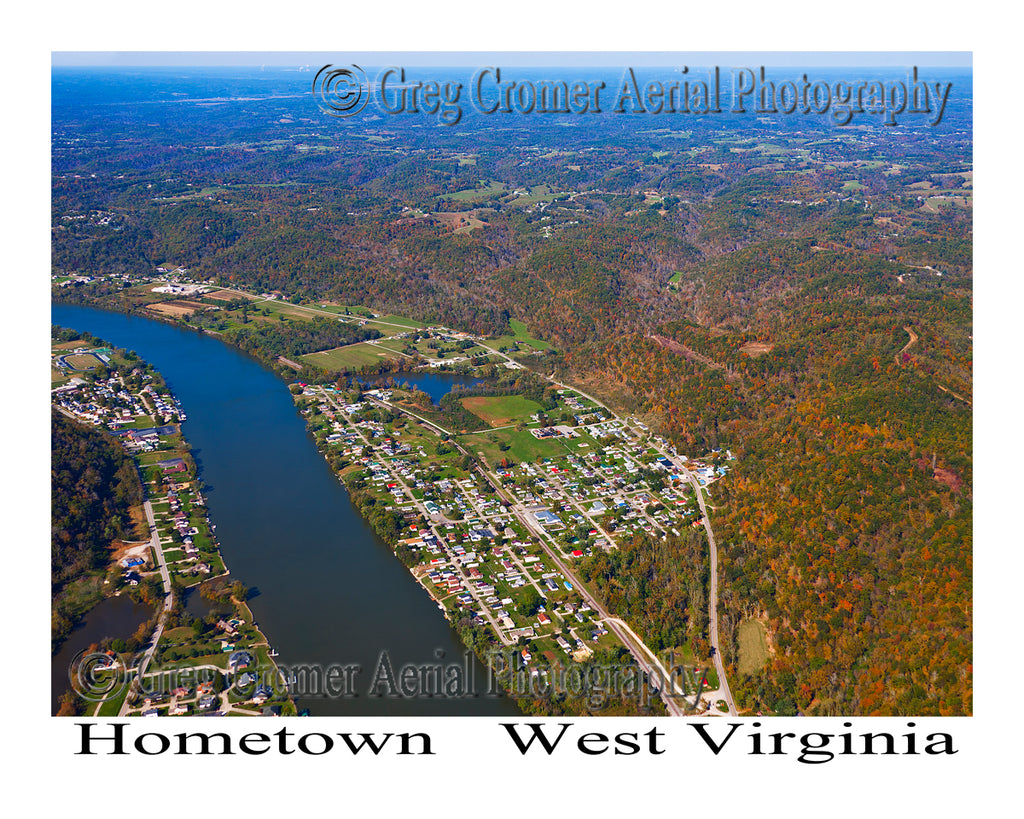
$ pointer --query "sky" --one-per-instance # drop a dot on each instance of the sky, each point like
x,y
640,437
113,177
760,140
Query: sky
x,y
513,58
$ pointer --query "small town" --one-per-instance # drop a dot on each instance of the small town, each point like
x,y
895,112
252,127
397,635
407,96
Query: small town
x,y
490,522
214,645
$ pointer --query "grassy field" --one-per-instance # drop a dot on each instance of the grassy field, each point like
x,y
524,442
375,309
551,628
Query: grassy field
x,y
412,324
84,361
68,345
538,193
482,192
396,344
519,335
932,203
498,410
111,706
352,356
753,647
522,446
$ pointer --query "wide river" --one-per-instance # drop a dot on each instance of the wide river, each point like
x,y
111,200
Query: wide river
x,y
328,591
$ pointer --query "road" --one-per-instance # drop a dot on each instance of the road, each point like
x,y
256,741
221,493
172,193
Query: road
x,y
154,542
644,657
723,683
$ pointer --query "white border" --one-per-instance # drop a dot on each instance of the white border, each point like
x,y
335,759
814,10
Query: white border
x,y
481,776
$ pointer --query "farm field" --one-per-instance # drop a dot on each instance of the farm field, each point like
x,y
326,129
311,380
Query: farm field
x,y
498,410
482,192
521,446
354,355
226,295
176,308
753,647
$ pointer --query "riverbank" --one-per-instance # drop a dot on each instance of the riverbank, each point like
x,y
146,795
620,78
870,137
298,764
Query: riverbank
x,y
123,395
323,586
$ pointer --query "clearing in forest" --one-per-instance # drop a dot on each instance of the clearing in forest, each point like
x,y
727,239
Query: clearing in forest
x,y
498,410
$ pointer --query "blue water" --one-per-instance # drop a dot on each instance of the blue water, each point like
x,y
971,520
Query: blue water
x,y
328,590
436,385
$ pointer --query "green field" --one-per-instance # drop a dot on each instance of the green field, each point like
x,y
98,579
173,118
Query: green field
x,y
523,447
753,647
83,361
412,324
352,356
498,410
482,192
519,335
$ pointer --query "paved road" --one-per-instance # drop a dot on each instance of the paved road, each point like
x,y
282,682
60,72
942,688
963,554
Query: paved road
x,y
168,600
641,653
723,684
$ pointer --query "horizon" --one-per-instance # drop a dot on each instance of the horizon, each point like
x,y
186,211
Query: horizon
x,y
555,59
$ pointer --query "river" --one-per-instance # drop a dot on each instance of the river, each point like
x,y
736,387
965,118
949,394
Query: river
x,y
327,590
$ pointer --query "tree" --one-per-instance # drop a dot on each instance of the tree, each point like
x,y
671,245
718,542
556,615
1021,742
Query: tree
x,y
70,705
531,601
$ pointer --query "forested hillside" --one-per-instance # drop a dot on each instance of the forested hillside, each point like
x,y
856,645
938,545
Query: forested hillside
x,y
93,486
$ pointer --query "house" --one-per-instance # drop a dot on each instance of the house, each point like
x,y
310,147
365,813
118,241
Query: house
x,y
208,702
239,660
263,693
